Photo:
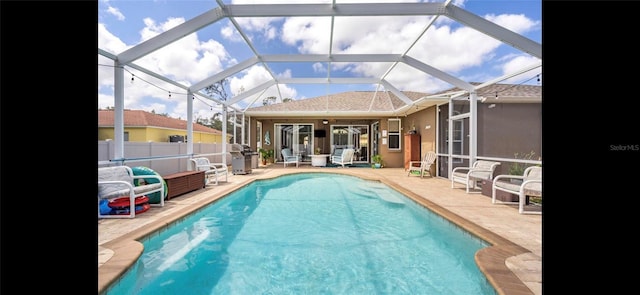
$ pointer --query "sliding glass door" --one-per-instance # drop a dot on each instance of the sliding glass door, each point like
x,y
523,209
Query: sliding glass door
x,y
297,137
352,136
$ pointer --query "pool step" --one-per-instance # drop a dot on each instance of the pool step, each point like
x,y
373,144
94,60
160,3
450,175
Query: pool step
x,y
379,190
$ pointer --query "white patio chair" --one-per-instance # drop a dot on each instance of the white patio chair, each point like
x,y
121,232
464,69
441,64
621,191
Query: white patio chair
x,y
470,176
346,158
530,185
211,170
336,152
289,158
115,182
423,166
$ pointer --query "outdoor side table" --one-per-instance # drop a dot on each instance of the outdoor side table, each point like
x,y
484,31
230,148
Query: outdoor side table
x,y
319,160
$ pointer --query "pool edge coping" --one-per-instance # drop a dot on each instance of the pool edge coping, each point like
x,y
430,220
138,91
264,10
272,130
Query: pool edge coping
x,y
490,260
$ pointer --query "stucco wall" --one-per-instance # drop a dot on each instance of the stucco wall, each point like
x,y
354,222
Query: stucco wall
x,y
146,134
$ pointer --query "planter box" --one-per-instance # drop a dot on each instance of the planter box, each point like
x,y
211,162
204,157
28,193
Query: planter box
x,y
500,195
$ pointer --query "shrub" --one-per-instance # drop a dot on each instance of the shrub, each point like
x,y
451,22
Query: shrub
x,y
518,168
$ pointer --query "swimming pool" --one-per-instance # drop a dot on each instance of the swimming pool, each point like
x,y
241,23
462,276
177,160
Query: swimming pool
x,y
309,233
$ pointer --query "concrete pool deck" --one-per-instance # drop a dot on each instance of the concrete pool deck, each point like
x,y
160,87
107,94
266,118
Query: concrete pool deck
x,y
513,263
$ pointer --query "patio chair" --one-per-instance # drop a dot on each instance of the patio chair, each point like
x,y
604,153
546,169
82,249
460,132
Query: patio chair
x,y
211,170
423,166
346,158
528,184
288,157
115,182
337,152
470,176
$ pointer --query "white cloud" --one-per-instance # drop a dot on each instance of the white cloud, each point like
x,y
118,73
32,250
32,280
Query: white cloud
x,y
187,61
517,63
115,12
255,76
319,68
229,32
108,41
446,46
310,35
285,74
262,25
518,23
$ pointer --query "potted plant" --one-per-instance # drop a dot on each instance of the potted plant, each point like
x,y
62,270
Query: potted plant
x,y
377,161
265,154
317,151
270,154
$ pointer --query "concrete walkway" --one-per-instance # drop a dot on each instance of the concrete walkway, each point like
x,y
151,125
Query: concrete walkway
x,y
513,264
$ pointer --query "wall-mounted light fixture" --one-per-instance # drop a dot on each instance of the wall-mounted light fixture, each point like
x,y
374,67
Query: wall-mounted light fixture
x,y
325,121
427,127
491,106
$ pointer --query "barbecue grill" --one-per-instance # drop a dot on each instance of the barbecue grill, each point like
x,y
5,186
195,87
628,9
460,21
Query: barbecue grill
x,y
241,158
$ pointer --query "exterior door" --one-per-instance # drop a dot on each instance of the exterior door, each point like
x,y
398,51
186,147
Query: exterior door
x,y
352,136
297,137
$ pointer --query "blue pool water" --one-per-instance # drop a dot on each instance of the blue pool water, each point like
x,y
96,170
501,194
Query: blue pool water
x,y
311,233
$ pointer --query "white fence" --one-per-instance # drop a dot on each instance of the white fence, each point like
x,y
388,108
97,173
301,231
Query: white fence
x,y
162,157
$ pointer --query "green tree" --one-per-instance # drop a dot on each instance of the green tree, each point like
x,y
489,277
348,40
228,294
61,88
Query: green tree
x,y
268,100
218,90
272,99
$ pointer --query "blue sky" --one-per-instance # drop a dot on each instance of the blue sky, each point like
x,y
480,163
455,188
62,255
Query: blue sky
x,y
447,45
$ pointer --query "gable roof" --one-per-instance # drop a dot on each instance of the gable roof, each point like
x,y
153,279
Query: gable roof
x,y
345,104
140,118
498,93
385,103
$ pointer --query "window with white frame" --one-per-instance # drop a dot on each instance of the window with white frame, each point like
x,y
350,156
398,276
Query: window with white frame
x,y
394,134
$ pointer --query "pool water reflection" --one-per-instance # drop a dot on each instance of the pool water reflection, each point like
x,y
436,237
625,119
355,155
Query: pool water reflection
x,y
309,233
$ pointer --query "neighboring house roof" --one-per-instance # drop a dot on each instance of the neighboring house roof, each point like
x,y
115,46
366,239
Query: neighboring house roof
x,y
139,118
385,103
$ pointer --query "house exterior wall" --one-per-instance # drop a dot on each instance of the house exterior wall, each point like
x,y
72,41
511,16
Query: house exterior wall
x,y
509,128
392,159
420,120
503,130
146,134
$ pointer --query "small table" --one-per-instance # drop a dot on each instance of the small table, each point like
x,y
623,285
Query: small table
x,y
319,160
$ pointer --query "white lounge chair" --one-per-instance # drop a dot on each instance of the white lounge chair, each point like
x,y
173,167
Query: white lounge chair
x,y
346,158
531,185
115,182
211,170
470,176
423,166
337,152
289,158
